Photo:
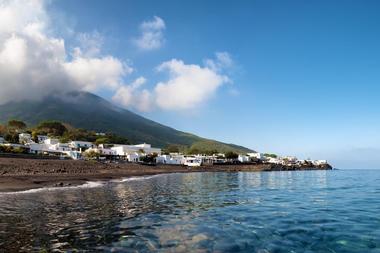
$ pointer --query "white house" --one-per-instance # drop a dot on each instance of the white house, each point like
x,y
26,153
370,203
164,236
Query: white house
x,y
133,157
244,158
320,162
107,151
274,160
41,138
124,150
50,141
290,159
170,159
163,159
256,155
73,154
102,151
37,148
2,140
79,145
192,161
25,138
148,149
205,158
60,147
177,159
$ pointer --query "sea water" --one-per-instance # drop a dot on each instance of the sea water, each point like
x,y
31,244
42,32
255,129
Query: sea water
x,y
299,211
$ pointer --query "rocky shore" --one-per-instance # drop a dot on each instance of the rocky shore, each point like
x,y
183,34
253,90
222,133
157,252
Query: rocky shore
x,y
17,174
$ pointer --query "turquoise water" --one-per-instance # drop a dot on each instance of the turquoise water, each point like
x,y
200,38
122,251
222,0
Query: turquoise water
x,y
304,211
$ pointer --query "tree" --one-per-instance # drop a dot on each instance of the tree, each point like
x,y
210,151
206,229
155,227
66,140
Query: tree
x,y
54,128
3,130
102,140
231,155
172,148
91,154
20,150
270,155
6,149
35,136
148,158
11,137
113,138
210,152
80,135
16,124
194,151
64,139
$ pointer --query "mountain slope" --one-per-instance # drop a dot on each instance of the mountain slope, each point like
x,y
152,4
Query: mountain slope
x,y
88,111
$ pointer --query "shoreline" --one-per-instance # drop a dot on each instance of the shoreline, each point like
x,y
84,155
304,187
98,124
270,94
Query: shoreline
x,y
19,174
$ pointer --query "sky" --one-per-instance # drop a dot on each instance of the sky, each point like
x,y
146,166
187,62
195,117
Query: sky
x,y
287,77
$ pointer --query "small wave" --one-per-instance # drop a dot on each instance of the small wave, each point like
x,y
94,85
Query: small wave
x,y
90,184
128,179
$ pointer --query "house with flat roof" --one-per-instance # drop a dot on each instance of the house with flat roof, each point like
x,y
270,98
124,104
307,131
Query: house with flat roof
x,y
124,150
81,145
24,138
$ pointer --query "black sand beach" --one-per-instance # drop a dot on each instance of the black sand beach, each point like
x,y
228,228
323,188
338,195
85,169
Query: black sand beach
x,y
17,174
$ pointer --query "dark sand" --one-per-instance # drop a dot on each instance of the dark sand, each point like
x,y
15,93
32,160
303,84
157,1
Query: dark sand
x,y
18,174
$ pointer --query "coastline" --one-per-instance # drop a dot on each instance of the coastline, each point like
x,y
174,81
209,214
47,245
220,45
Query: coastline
x,y
19,174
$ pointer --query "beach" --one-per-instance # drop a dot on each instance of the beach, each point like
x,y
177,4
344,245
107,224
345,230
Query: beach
x,y
17,174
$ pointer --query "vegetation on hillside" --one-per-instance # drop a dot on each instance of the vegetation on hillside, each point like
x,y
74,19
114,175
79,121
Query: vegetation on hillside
x,y
11,130
212,147
65,133
56,129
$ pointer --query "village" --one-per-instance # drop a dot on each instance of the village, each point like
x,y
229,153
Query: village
x,y
45,146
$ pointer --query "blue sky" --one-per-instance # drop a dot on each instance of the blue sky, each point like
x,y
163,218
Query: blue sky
x,y
304,77
307,71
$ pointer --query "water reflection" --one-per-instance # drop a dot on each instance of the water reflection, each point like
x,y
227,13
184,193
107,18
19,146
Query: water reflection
x,y
315,211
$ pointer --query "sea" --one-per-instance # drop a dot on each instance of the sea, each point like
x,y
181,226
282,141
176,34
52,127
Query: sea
x,y
297,211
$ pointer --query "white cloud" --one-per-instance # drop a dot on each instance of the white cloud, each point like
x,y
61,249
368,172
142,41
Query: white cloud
x,y
94,73
188,86
152,34
223,61
13,55
132,96
33,63
15,14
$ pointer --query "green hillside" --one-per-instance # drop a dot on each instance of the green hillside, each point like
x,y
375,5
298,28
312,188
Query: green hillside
x,y
88,111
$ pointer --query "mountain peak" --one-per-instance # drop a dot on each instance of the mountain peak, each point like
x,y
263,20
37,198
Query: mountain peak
x,y
86,110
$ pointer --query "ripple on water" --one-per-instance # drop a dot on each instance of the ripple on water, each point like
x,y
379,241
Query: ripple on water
x,y
310,211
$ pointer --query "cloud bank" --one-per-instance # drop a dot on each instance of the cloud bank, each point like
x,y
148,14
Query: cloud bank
x,y
35,63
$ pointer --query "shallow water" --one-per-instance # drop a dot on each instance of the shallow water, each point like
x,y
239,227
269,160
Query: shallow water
x,y
302,211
